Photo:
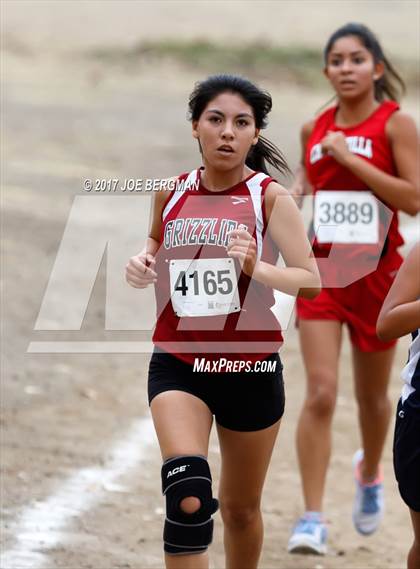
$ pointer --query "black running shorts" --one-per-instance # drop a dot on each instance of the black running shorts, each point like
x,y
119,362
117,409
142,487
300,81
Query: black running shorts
x,y
407,454
240,401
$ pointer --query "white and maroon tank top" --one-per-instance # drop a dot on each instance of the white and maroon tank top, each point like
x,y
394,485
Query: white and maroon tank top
x,y
205,305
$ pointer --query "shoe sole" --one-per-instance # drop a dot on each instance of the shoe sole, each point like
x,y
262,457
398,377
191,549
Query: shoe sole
x,y
375,524
364,532
306,547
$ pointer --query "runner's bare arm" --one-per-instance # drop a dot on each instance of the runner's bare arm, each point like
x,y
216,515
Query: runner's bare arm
x,y
139,271
286,228
402,192
159,199
400,313
301,185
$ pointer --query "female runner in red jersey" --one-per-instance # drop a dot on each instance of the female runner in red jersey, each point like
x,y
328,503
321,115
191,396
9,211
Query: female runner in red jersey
x,y
211,253
360,149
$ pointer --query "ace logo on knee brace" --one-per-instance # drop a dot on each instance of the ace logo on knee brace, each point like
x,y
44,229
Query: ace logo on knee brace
x,y
177,470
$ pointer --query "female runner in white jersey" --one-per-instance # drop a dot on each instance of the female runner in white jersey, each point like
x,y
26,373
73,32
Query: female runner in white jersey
x,y
358,153
400,315
228,223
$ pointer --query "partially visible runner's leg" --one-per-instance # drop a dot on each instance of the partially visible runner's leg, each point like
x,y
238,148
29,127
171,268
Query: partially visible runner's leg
x,y
372,373
245,460
183,423
413,560
320,343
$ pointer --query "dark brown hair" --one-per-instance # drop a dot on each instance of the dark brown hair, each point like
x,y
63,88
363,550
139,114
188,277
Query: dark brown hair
x,y
260,102
390,85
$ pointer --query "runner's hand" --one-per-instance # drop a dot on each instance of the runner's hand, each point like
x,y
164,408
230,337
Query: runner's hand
x,y
139,272
334,144
242,246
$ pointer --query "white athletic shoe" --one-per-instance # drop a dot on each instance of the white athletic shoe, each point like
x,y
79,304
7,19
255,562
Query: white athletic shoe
x,y
368,507
308,536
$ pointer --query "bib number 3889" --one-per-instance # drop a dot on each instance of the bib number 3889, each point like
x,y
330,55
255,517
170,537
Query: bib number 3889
x,y
346,217
203,287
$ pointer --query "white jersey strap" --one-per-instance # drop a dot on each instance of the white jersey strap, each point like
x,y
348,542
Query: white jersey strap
x,y
178,193
255,190
409,371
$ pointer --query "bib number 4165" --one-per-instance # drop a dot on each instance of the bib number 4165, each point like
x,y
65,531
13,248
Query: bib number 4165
x,y
212,282
203,287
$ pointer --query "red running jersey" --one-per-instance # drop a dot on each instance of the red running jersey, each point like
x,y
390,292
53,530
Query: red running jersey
x,y
369,141
206,307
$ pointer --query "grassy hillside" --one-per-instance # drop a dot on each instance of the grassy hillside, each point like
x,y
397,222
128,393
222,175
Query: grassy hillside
x,y
300,64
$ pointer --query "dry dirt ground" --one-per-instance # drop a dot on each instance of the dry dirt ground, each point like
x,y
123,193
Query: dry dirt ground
x,y
80,478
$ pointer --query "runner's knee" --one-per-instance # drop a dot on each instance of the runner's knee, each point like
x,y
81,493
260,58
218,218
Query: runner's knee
x,y
239,516
321,395
374,402
190,505
186,484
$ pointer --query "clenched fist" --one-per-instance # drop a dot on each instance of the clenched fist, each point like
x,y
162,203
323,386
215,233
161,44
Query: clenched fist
x,y
139,271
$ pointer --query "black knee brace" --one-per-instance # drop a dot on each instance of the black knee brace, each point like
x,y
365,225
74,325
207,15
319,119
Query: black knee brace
x,y
182,477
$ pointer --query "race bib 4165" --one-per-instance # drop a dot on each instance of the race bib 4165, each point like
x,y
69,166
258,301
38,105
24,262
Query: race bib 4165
x,y
203,287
